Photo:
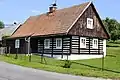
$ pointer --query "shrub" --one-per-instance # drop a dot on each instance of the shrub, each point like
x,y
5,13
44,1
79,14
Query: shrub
x,y
67,64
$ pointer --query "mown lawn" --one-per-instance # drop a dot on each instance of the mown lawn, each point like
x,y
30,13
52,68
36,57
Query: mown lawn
x,y
82,67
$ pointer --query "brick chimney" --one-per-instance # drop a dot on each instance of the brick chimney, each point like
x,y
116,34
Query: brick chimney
x,y
52,8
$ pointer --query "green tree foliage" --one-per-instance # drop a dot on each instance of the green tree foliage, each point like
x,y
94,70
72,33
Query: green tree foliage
x,y
1,24
113,28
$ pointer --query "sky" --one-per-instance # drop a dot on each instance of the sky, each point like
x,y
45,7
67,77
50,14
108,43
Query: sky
x,y
19,10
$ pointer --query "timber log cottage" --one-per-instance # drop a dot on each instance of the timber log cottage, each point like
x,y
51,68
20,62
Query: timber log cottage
x,y
71,33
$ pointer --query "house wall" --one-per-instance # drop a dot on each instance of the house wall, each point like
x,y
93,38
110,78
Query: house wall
x,y
33,45
11,43
52,50
104,47
78,53
76,49
70,46
80,27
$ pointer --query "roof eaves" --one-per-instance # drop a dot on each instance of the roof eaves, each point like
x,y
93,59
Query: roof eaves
x,y
16,28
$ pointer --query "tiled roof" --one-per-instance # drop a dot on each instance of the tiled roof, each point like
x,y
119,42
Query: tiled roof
x,y
54,23
8,31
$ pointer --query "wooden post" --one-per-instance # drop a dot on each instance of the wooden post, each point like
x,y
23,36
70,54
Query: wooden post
x,y
30,56
89,45
103,62
9,51
42,52
98,46
28,47
62,48
29,51
17,46
70,52
5,51
16,56
52,48
79,45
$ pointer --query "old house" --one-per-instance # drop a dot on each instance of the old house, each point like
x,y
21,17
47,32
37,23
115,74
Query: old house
x,y
8,31
71,33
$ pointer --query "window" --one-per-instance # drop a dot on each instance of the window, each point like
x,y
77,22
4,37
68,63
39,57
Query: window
x,y
47,43
82,42
89,23
58,43
95,43
17,43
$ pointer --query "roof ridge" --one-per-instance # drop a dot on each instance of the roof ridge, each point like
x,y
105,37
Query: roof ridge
x,y
63,8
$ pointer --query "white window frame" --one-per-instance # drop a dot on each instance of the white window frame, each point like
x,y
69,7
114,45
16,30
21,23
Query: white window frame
x,y
58,47
45,46
95,43
89,23
82,45
17,43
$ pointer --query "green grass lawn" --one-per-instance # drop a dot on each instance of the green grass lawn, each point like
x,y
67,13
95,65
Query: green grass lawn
x,y
90,67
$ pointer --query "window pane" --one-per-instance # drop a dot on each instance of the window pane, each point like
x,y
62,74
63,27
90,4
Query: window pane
x,y
59,43
47,43
83,42
89,23
95,43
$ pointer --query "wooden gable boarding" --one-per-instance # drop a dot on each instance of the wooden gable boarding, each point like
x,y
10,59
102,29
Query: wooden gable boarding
x,y
80,26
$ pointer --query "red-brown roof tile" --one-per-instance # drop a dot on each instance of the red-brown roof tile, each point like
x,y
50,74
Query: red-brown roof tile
x,y
55,23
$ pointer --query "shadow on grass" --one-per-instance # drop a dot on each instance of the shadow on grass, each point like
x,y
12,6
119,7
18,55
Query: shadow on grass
x,y
111,55
96,67
112,46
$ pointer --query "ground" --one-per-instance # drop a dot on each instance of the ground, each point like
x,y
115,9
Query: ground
x,y
13,72
91,68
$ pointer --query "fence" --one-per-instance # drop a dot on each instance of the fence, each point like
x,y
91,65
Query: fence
x,y
3,50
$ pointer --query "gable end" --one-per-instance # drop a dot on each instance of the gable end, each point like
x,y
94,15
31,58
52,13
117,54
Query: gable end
x,y
80,26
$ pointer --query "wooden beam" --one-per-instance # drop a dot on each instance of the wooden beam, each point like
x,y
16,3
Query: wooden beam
x,y
43,47
79,45
52,47
70,45
42,51
89,45
62,48
98,46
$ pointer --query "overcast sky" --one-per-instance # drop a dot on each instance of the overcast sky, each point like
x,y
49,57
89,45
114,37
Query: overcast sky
x,y
20,10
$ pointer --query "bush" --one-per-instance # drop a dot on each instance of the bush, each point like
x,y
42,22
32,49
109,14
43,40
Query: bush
x,y
67,64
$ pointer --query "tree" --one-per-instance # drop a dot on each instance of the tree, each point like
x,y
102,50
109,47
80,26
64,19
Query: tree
x,y
1,24
113,28
114,35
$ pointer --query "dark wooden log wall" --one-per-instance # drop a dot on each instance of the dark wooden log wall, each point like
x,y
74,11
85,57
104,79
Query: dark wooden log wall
x,y
33,45
70,44
13,50
80,27
89,46
52,50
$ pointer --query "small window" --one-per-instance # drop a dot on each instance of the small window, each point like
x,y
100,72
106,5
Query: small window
x,y
95,43
47,43
89,23
82,42
58,43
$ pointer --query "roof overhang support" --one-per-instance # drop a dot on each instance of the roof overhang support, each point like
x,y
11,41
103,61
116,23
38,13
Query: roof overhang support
x,y
27,39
